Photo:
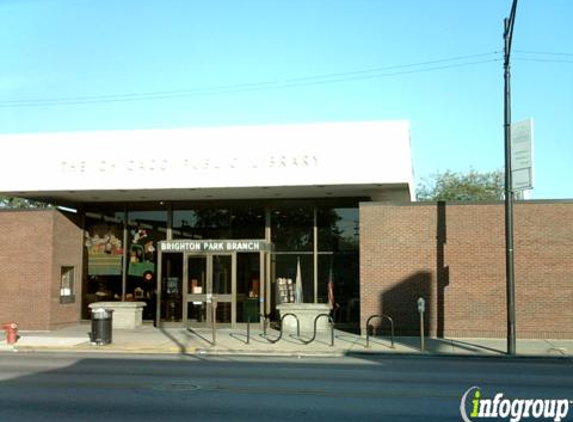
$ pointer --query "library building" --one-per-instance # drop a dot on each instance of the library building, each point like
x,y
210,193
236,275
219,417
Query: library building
x,y
233,222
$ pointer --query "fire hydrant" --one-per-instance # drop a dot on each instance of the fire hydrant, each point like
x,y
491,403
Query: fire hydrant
x,y
11,329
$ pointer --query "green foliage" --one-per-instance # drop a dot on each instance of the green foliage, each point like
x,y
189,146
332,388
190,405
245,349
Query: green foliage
x,y
470,186
20,203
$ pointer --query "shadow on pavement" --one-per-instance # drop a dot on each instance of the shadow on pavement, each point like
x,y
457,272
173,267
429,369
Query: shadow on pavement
x,y
200,336
361,341
182,347
470,347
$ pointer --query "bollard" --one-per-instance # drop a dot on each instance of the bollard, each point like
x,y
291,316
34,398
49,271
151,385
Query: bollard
x,y
421,309
214,321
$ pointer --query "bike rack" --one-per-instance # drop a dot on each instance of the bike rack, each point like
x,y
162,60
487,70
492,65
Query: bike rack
x,y
249,326
331,329
334,312
281,334
391,329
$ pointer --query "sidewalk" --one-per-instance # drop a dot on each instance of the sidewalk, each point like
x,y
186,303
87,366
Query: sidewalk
x,y
148,339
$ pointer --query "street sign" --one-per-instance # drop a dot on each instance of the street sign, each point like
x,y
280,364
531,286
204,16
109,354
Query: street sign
x,y
522,155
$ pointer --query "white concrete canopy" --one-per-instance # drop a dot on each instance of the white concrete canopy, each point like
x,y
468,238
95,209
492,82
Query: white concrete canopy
x,y
348,159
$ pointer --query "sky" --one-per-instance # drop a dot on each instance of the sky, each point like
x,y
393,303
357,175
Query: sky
x,y
86,65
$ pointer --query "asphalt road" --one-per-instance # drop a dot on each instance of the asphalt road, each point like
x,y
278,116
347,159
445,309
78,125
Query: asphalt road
x,y
57,387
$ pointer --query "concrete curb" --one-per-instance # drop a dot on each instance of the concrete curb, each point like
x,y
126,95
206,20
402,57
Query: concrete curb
x,y
230,343
195,351
98,350
429,355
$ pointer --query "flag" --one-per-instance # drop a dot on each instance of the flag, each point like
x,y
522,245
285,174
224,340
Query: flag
x,y
298,284
330,289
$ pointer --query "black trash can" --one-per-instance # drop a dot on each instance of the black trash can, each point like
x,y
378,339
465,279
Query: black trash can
x,y
101,326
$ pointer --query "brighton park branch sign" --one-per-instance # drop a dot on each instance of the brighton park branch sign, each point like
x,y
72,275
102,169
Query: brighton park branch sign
x,y
214,246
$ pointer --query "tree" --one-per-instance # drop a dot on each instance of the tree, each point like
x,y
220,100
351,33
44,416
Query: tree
x,y
20,203
470,186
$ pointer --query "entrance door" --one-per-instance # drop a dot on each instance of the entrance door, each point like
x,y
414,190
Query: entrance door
x,y
211,286
190,282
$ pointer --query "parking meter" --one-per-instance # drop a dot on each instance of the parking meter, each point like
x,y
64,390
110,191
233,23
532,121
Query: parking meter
x,y
421,310
421,305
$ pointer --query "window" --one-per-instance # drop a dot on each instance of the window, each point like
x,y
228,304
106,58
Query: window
x,y
337,229
104,247
67,294
292,228
202,223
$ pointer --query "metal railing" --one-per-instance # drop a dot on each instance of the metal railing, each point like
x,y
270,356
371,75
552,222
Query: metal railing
x,y
382,317
281,333
314,334
265,318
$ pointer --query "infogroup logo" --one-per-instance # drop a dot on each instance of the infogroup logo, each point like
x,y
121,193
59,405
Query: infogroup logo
x,y
474,407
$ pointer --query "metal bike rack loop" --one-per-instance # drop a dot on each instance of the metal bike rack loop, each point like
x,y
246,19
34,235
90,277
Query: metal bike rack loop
x,y
374,329
249,326
331,329
281,334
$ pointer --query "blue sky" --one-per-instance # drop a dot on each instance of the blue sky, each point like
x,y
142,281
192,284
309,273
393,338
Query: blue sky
x,y
74,65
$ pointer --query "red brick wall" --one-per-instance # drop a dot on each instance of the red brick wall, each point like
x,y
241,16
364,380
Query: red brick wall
x,y
454,257
68,246
30,259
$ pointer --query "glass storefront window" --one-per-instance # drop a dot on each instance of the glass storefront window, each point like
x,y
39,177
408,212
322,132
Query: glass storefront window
x,y
247,223
104,248
292,228
145,229
343,269
202,223
338,260
337,229
235,222
248,286
285,269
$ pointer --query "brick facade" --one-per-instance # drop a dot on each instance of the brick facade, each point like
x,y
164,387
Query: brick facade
x,y
35,245
453,255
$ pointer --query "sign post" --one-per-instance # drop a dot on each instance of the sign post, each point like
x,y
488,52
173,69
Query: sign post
x,y
508,24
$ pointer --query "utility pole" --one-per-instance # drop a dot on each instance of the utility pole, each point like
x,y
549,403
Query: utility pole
x,y
509,256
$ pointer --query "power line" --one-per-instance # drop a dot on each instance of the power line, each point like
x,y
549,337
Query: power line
x,y
321,79
226,90
527,59
247,86
364,74
559,57
547,53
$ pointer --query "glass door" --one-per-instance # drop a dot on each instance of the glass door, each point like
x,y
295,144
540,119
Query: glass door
x,y
196,309
170,290
223,277
211,285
